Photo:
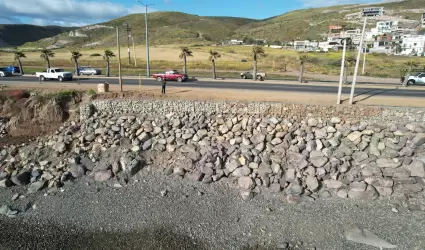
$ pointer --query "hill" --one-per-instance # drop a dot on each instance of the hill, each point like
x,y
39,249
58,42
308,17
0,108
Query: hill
x,y
182,28
164,28
313,23
13,35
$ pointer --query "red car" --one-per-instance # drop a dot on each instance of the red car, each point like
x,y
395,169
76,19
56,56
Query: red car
x,y
171,75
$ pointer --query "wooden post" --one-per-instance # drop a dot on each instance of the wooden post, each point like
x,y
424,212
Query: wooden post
x,y
119,60
140,82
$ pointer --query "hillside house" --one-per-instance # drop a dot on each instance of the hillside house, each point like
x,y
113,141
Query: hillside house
x,y
305,45
413,45
335,30
236,42
373,11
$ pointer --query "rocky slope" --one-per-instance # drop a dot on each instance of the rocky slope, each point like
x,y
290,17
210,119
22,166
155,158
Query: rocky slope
x,y
303,160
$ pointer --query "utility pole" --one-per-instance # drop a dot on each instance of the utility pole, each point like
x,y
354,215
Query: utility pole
x,y
356,68
119,60
364,60
147,37
341,76
128,30
134,51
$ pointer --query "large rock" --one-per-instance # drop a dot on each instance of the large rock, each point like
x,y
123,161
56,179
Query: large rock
x,y
387,163
129,165
419,140
257,138
355,137
77,170
417,168
319,162
60,147
246,183
103,175
312,183
312,122
22,178
362,191
360,156
334,184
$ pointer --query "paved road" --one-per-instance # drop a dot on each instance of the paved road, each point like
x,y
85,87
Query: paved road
x,y
392,91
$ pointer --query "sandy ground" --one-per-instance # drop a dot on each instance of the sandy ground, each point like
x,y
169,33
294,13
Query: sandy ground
x,y
88,215
368,98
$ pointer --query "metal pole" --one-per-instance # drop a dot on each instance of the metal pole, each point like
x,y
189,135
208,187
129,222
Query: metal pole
x,y
134,52
364,61
341,76
356,69
148,73
119,60
128,43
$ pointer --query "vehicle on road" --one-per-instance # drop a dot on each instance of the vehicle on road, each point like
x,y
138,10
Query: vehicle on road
x,y
418,79
55,73
5,72
12,69
171,75
250,74
90,71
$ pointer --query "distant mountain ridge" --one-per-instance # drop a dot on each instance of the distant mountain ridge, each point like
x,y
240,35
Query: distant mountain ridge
x,y
182,28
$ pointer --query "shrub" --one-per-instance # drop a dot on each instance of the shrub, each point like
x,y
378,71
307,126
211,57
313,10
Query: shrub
x,y
91,92
96,54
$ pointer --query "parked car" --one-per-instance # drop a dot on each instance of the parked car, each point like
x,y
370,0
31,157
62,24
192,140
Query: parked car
x,y
416,79
12,69
90,71
54,73
249,75
4,72
171,75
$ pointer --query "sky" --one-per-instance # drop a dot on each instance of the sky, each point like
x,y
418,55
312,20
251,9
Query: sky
x,y
85,12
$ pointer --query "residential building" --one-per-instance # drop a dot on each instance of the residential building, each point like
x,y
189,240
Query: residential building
x,y
373,11
354,34
413,45
423,21
383,27
236,42
305,45
335,30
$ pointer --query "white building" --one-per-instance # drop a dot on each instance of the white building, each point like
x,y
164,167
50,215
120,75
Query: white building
x,y
236,42
305,45
413,45
373,11
383,27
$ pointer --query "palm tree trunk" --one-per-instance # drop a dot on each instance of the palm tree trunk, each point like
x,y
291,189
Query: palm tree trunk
x,y
107,68
21,69
284,67
213,68
300,78
76,67
48,63
184,65
254,73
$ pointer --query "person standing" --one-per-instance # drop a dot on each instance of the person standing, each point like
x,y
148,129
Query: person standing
x,y
164,85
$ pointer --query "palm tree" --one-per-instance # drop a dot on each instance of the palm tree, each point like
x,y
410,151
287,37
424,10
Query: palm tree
x,y
410,64
18,56
106,56
185,52
75,55
349,62
214,55
257,53
46,54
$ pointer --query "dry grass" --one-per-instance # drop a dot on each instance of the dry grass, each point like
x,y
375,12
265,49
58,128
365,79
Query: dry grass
x,y
167,56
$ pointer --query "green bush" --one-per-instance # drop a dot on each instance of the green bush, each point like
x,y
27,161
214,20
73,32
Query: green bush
x,y
96,54
91,92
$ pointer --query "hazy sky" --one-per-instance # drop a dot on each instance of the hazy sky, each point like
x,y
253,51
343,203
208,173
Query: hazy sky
x,y
83,12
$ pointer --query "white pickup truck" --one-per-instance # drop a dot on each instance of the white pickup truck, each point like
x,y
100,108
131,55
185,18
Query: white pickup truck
x,y
419,79
54,73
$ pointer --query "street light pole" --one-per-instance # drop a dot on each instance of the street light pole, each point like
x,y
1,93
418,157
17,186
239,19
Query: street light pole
x,y
356,68
364,60
128,30
148,73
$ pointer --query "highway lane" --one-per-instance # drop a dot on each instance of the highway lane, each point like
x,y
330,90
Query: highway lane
x,y
392,91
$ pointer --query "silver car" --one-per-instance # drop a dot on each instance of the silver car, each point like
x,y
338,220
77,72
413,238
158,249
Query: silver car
x,y
90,71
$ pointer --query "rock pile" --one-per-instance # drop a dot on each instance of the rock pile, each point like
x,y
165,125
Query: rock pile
x,y
304,160
3,126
